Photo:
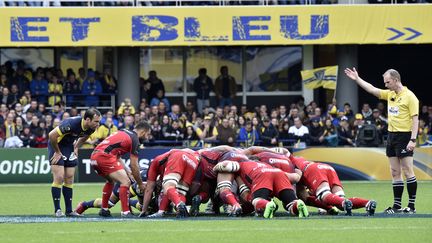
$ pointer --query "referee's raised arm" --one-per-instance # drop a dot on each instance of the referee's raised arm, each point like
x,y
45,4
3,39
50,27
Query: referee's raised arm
x,y
353,74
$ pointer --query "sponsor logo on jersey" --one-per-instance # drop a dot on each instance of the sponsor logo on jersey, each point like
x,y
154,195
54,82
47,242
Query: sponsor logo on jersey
x,y
189,161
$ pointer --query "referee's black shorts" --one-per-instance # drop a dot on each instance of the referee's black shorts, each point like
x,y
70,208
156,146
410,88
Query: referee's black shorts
x,y
397,143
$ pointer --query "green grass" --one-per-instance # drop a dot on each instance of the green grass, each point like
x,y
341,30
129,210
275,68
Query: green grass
x,y
35,199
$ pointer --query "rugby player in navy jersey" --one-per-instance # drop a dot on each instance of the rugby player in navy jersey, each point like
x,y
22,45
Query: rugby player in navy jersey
x,y
64,142
106,161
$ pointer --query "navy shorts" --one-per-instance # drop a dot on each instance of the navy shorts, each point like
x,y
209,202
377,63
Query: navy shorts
x,y
67,151
397,143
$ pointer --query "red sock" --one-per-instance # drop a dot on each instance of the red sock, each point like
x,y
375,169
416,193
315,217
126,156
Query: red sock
x,y
204,197
260,205
182,197
124,198
106,194
228,197
173,196
358,202
315,202
164,203
334,200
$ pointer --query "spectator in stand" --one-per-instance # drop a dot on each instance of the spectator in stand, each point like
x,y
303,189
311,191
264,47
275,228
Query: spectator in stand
x,y
19,126
380,122
262,111
294,113
110,115
226,134
203,85
25,99
42,111
366,111
207,131
160,97
72,87
19,109
174,132
55,90
57,111
126,104
144,89
9,127
4,82
316,132
49,122
14,92
190,110
82,76
175,113
92,89
28,117
301,106
156,84
27,137
128,123
156,130
268,133
39,87
248,135
6,98
41,135
382,107
190,136
348,111
66,115
345,133
109,82
424,114
298,131
225,87
107,128
423,133
34,125
330,133
283,116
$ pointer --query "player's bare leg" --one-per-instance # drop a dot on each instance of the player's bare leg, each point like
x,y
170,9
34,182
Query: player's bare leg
x,y
333,197
398,185
224,189
121,177
58,178
169,185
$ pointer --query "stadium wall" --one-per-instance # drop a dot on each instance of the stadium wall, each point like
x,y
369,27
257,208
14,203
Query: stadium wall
x,y
32,165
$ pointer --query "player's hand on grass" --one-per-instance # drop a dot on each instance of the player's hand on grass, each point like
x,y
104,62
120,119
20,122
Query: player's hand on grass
x,y
56,157
143,215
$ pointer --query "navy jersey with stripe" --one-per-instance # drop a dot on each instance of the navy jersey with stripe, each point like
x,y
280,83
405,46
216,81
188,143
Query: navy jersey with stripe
x,y
70,129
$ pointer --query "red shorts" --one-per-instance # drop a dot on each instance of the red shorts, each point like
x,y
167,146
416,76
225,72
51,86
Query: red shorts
x,y
273,179
318,173
105,164
184,164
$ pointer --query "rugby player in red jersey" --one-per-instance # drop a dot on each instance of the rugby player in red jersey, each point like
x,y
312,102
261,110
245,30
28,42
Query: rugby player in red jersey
x,y
323,183
265,182
177,169
107,162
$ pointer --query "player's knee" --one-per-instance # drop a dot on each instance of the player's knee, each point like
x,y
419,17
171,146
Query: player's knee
x,y
169,181
182,189
223,185
323,193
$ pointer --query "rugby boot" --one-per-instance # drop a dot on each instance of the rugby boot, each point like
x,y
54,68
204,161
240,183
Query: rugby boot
x,y
59,213
196,202
302,209
181,210
371,207
105,213
347,205
269,209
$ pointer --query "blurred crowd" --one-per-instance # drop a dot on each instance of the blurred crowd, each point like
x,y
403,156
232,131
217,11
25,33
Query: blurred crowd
x,y
32,105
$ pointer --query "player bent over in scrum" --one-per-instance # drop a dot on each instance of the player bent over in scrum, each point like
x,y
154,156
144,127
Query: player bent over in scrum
x,y
264,182
107,162
177,168
323,183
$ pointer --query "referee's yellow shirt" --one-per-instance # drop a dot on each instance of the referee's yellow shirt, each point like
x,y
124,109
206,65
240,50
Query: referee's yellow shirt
x,y
401,108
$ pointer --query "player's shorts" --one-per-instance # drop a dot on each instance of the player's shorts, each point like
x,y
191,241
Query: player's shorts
x,y
69,160
105,164
272,179
317,173
397,143
182,163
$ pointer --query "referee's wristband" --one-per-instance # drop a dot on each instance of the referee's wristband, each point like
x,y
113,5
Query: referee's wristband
x,y
413,140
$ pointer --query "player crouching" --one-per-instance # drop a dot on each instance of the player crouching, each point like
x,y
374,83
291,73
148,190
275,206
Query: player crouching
x,y
265,182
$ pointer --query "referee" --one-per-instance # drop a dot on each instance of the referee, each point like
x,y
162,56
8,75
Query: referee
x,y
403,108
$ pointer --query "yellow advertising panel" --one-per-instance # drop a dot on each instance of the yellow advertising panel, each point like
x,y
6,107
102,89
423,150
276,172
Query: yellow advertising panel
x,y
180,26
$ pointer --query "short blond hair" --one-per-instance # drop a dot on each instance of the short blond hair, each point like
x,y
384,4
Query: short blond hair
x,y
393,74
